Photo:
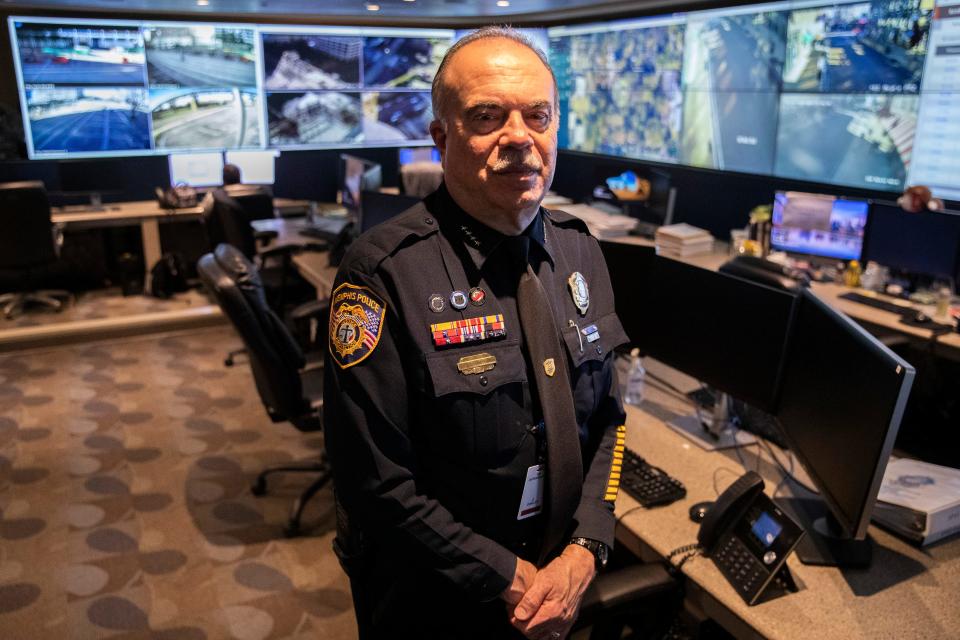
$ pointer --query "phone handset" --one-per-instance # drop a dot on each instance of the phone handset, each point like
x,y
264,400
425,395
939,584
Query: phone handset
x,y
729,507
749,538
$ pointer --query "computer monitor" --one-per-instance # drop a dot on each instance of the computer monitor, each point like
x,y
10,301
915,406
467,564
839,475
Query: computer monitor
x,y
818,225
925,243
409,155
357,175
93,179
842,395
645,194
256,167
196,169
725,331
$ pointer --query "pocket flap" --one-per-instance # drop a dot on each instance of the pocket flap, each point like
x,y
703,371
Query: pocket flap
x,y
609,335
468,370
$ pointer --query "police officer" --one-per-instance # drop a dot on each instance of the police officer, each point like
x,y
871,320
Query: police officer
x,y
471,412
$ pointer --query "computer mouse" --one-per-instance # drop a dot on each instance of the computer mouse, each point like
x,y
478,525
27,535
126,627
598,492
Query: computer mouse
x,y
699,511
921,318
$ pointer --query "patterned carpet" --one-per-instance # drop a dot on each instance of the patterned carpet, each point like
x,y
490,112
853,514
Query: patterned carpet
x,y
125,510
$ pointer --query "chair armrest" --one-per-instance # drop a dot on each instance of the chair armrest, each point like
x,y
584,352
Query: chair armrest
x,y
625,589
312,309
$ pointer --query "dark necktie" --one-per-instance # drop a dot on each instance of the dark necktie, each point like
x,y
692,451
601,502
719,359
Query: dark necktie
x,y
549,361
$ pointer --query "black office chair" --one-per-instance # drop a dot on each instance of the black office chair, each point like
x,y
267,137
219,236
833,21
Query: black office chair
x,y
291,390
31,243
643,597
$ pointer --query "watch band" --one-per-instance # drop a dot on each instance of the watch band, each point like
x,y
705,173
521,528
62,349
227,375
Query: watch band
x,y
598,549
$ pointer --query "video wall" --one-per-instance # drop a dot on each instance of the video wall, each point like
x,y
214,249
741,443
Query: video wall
x,y
93,88
864,93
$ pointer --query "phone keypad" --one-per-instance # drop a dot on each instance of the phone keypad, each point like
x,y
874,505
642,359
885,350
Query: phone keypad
x,y
740,567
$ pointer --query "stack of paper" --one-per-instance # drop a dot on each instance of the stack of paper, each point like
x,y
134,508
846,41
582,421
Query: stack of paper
x,y
919,500
681,240
602,225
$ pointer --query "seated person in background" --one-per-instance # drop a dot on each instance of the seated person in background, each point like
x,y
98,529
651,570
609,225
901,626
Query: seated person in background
x,y
919,198
217,205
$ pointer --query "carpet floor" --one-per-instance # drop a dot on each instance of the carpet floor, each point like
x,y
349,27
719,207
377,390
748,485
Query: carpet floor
x,y
125,509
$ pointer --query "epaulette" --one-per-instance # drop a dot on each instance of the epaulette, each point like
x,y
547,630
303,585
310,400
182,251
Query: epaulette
x,y
566,220
373,247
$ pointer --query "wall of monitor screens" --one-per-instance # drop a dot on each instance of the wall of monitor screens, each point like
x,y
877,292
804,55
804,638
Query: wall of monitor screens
x,y
863,94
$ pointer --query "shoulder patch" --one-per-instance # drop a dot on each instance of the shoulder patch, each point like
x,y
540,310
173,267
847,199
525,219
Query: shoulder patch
x,y
356,321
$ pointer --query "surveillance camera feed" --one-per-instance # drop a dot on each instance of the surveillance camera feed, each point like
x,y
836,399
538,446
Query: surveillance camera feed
x,y
303,62
863,94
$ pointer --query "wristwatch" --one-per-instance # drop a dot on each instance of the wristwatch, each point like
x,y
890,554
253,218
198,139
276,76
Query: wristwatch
x,y
599,550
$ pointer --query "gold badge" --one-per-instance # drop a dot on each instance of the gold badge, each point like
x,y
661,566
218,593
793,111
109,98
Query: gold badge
x,y
476,363
549,367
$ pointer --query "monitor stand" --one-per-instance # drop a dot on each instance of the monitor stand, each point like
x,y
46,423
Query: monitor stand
x,y
825,544
711,429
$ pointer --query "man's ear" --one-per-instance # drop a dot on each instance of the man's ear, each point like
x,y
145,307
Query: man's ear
x,y
439,134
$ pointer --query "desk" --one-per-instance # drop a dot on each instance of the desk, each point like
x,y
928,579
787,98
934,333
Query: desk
x,y
907,592
148,214
314,266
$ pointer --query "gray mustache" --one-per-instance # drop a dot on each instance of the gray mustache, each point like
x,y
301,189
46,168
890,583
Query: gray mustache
x,y
516,163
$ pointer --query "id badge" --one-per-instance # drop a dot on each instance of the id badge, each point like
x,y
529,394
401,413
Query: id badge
x,y
532,501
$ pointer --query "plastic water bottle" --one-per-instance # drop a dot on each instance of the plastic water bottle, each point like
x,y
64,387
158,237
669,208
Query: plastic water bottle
x,y
636,376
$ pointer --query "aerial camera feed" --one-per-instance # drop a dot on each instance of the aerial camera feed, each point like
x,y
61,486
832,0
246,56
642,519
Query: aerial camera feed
x,y
322,117
88,119
408,63
398,116
200,56
197,118
623,91
857,140
731,77
63,54
307,61
875,47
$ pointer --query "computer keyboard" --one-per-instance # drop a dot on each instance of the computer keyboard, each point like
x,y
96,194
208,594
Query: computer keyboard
x,y
647,484
899,308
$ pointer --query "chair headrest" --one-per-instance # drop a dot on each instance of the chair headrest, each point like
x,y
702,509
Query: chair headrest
x,y
238,266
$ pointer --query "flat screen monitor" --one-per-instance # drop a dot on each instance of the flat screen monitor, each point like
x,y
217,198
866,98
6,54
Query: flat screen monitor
x,y
925,243
256,167
819,225
380,207
77,177
356,176
410,155
196,169
723,330
842,397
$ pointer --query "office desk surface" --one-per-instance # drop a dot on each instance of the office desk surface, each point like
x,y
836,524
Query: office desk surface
x,y
907,592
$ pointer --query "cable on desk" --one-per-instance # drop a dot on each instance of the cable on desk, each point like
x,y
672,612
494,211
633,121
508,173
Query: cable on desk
x,y
685,552
628,512
787,473
717,470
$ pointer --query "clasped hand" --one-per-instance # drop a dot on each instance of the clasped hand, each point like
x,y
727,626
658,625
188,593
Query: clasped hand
x,y
544,604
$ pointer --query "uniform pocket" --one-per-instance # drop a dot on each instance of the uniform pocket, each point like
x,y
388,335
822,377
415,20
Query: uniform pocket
x,y
609,335
478,417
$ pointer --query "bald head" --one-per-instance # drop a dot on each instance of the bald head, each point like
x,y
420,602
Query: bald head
x,y
443,88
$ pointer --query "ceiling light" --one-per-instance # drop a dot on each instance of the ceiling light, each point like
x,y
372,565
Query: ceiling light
x,y
373,7
409,0
503,3
202,3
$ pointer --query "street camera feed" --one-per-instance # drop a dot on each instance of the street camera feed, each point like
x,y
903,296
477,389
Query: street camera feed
x,y
857,140
306,61
205,118
735,131
311,118
63,120
739,52
623,91
200,56
408,63
64,54
866,47
399,116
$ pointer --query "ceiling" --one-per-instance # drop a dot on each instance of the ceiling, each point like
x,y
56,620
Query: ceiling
x,y
423,12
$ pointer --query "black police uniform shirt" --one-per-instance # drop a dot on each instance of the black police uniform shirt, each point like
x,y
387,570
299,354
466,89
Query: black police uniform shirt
x,y
431,462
